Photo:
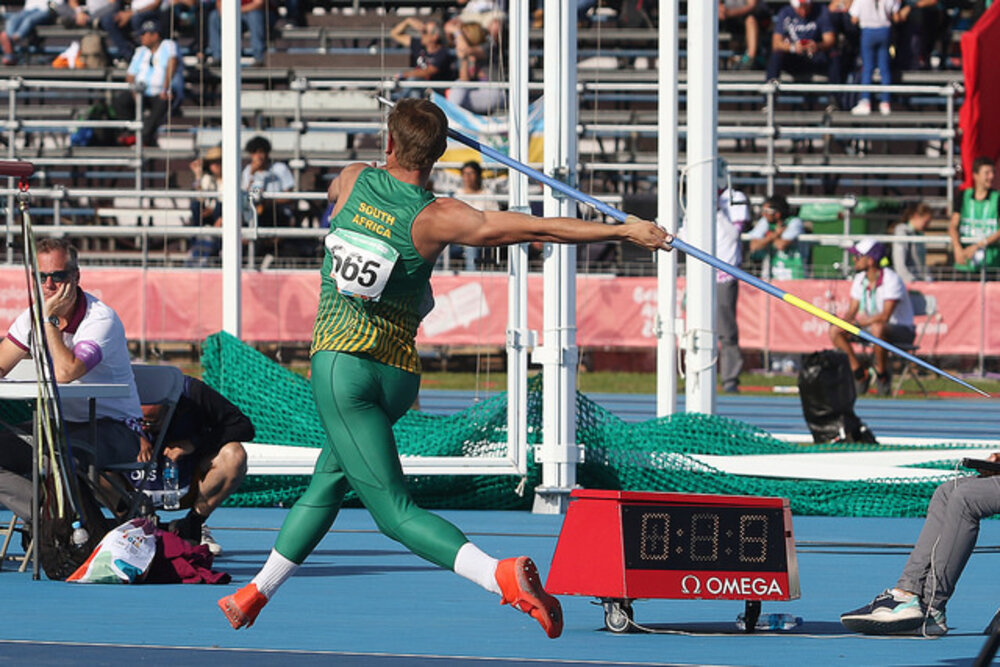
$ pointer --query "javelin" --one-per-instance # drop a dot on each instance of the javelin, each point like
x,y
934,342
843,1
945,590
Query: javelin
x,y
701,255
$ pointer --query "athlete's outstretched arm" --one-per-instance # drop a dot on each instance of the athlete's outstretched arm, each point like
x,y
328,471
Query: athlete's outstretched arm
x,y
448,221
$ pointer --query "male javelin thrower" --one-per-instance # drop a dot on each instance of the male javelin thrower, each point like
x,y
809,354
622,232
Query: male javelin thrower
x,y
386,234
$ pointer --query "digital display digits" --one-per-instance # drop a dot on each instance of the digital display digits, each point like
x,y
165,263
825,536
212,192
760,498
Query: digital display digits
x,y
703,538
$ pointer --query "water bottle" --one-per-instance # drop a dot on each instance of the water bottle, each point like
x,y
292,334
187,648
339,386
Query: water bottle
x,y
80,535
770,622
171,495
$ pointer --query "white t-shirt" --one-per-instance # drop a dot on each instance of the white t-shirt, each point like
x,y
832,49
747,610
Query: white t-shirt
x,y
874,13
889,287
94,6
146,5
97,337
733,213
36,5
276,178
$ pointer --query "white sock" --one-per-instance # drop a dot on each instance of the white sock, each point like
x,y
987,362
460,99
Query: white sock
x,y
901,595
275,572
477,567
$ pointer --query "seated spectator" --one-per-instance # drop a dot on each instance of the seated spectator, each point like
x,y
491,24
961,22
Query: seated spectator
x,y
875,17
881,306
98,14
908,258
487,13
157,66
430,58
87,342
21,25
191,17
847,34
270,176
205,438
183,17
117,18
206,212
774,241
296,12
472,184
922,22
803,42
582,7
127,22
916,605
743,19
477,57
253,17
976,214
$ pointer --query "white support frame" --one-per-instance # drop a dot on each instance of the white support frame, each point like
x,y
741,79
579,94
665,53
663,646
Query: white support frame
x,y
668,210
700,343
232,247
519,338
558,355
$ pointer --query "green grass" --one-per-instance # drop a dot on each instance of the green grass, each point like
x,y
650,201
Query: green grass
x,y
645,383
607,382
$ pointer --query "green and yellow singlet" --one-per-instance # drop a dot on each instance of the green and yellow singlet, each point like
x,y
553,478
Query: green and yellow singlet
x,y
375,286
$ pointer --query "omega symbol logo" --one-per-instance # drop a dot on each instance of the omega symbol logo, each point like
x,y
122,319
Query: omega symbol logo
x,y
691,579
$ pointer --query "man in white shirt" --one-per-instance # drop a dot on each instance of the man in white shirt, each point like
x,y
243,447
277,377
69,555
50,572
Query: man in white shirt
x,y
157,66
87,342
732,215
881,306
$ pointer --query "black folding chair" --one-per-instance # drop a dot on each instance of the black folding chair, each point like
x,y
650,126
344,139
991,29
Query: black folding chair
x,y
157,385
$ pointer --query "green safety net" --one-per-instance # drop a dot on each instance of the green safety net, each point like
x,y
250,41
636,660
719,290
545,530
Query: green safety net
x,y
654,455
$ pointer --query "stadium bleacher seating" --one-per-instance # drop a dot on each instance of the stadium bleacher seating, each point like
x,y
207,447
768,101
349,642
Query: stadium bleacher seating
x,y
806,145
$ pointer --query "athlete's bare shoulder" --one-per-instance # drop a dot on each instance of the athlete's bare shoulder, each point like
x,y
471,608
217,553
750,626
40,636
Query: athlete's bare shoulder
x,y
344,181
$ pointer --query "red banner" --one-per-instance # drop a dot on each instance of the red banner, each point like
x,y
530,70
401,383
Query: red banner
x,y
186,305
977,119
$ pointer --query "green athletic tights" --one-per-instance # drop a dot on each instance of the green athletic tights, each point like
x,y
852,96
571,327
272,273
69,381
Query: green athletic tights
x,y
358,400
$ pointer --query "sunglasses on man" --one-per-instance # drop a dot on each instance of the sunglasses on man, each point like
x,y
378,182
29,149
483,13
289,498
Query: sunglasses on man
x,y
57,276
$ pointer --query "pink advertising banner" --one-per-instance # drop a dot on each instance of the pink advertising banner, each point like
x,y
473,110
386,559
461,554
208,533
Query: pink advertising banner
x,y
185,305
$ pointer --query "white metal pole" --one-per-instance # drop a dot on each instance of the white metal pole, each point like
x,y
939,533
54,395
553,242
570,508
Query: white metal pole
x,y
701,205
666,198
232,247
559,353
518,338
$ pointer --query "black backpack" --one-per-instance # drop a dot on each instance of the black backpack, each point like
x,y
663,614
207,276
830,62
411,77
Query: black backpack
x,y
827,392
96,136
57,554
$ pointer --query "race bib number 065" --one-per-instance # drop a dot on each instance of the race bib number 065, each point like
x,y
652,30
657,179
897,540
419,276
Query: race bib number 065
x,y
361,264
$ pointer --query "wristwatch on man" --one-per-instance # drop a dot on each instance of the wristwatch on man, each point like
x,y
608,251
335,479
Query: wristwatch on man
x,y
53,320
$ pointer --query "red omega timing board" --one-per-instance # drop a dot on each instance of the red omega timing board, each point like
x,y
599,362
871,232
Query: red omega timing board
x,y
624,545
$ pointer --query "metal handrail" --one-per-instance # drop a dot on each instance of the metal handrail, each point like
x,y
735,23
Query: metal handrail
x,y
769,131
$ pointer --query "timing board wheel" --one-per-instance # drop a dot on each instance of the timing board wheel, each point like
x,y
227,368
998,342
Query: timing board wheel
x,y
617,615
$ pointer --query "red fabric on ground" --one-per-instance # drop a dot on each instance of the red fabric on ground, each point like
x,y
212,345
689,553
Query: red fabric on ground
x,y
179,562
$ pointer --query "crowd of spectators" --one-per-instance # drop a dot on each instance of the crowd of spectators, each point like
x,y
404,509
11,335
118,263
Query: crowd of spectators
x,y
827,38
834,38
